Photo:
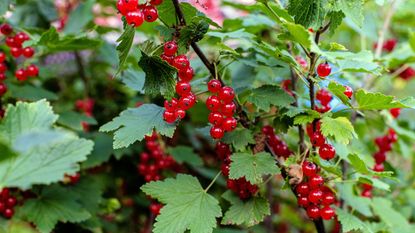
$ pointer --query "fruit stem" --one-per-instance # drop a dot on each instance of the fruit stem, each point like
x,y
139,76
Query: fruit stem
x,y
212,182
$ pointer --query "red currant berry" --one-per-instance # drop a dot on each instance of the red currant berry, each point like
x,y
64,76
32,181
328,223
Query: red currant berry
x,y
3,89
214,86
186,102
180,113
327,151
3,67
171,105
228,109
135,18
383,143
186,75
6,29
318,139
316,181
2,77
144,157
216,132
183,88
21,74
379,167
302,189
8,213
229,124
268,130
156,2
309,169
11,42
2,207
366,193
4,194
226,94
327,213
315,196
232,185
323,70
181,62
155,208
169,117
392,136
379,157
28,52
125,6
16,52
348,92
223,150
225,169
21,37
395,112
215,118
170,48
313,212
328,198
167,58
324,97
75,178
323,109
213,103
32,70
310,130
367,186
303,202
150,13
2,57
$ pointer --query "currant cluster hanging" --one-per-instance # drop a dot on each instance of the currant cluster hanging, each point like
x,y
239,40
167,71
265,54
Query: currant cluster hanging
x,y
176,108
241,187
86,106
135,13
326,151
313,195
7,203
278,146
222,107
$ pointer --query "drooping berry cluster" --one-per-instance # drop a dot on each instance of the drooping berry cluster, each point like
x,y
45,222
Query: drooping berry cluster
x,y
313,195
241,187
326,151
222,108
7,203
86,106
278,146
135,13
176,108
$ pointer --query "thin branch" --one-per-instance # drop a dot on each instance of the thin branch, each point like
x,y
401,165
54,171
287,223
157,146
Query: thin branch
x,y
384,29
82,73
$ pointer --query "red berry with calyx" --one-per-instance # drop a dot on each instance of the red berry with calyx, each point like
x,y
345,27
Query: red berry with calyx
x,y
16,52
324,97
318,139
186,75
135,18
229,124
171,105
3,67
181,62
183,88
8,213
21,37
226,94
303,201
32,70
328,198
379,167
156,2
392,136
3,89
383,143
323,70
180,113
186,102
395,112
155,208
379,157
215,118
170,48
327,213
313,212
169,117
228,109
327,151
216,132
6,29
4,194
150,13
348,92
366,193
2,57
167,58
315,196
323,109
28,52
302,189
213,103
2,207
268,130
214,86
125,6
2,76
21,74
316,181
309,169
367,186
11,42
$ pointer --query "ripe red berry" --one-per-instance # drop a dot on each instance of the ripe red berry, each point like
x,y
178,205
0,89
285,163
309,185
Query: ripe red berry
x,y
323,70
383,143
3,89
215,118
313,212
379,167
327,213
125,6
8,213
327,151
183,88
32,70
169,117
170,48
21,74
180,113
2,207
2,77
21,37
3,67
135,18
328,198
171,105
226,94
28,52
167,58
155,208
11,42
303,202
229,124
214,86
392,136
366,193
2,57
6,29
156,2
316,181
16,52
315,196
181,62
379,157
309,169
216,132
213,103
348,92
323,109
186,75
318,139
395,112
186,102
302,189
324,97
268,130
228,109
150,13
4,194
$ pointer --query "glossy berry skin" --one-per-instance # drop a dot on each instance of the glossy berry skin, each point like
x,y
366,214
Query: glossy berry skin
x,y
228,109
213,103
3,89
315,196
383,143
167,58
32,70
313,212
392,136
156,2
155,208
226,94
2,77
135,18
309,169
216,132
366,193
316,181
2,57
179,113
379,167
8,213
327,213
28,52
323,70
3,67
348,92
268,130
11,42
324,97
2,207
214,86
171,105
303,202
169,117
229,124
318,139
215,118
16,52
181,62
379,157
150,14
327,151
186,102
125,6
395,112
328,198
186,75
170,48
21,37
183,88
6,29
21,74
302,189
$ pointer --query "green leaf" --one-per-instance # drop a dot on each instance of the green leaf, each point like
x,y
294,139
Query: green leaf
x,y
353,9
29,92
336,19
340,128
307,13
348,221
360,204
265,96
239,138
247,213
160,79
54,204
80,17
102,151
125,43
354,62
378,101
134,123
134,79
238,34
187,205
184,154
4,6
47,9
338,90
6,151
74,120
412,40
395,221
252,166
309,116
193,31
360,166
167,13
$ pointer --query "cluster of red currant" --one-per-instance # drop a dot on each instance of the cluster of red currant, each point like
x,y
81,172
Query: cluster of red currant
x,y
388,45
313,195
222,107
135,13
278,146
176,108
243,188
86,106
7,203
15,43
326,151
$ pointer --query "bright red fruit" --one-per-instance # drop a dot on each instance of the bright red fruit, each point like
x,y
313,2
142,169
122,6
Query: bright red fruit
x,y
186,102
156,2
8,213
179,113
21,74
324,96
186,75
181,62
125,6
366,193
316,181
155,208
315,196
328,198
3,67
28,52
395,112
167,58
150,14
323,70
348,92
16,52
327,213
183,88
169,117
303,201
2,57
318,139
327,151
379,167
2,77
309,169
302,189
313,212
228,109
32,70
216,132
214,86
6,29
215,118
226,94
170,48
268,130
213,103
135,18
379,157
3,89
229,124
